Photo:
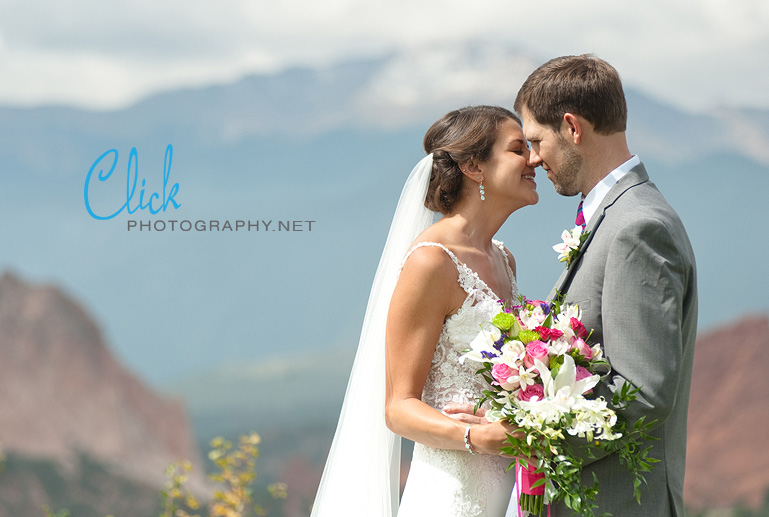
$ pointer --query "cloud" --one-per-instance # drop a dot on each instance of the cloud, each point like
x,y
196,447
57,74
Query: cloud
x,y
107,54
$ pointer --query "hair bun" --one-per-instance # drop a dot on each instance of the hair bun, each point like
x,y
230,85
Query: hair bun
x,y
461,135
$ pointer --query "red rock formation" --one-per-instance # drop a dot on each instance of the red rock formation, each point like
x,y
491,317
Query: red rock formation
x,y
728,444
62,392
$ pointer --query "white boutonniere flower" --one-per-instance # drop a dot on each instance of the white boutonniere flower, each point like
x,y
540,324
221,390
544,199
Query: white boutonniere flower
x,y
572,242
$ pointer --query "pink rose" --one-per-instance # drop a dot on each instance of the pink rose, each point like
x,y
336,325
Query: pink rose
x,y
582,372
531,391
535,350
578,328
501,372
583,348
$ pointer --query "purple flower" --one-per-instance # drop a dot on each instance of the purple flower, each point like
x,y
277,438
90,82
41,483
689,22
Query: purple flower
x,y
489,355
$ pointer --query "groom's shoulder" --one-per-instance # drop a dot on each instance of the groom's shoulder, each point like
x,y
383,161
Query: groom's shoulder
x,y
643,211
641,199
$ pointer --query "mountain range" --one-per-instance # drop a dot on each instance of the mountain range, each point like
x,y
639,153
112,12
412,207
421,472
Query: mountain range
x,y
76,426
330,145
727,451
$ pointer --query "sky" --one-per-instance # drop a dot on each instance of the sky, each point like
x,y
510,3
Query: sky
x,y
697,54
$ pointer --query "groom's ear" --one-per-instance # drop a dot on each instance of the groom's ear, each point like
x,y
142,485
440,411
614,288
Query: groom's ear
x,y
572,127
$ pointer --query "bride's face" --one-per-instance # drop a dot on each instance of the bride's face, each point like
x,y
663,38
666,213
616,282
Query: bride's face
x,y
507,173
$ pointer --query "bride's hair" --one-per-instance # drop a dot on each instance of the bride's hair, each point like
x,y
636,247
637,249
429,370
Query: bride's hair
x,y
459,136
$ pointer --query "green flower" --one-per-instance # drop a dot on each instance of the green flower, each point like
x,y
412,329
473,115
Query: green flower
x,y
503,321
526,336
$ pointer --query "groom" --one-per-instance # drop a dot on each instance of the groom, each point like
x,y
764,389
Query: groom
x,y
635,276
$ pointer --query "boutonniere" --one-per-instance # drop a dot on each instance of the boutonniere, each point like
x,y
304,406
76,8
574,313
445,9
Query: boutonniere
x,y
572,243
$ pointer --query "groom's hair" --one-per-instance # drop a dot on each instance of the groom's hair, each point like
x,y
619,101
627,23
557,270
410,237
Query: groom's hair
x,y
582,85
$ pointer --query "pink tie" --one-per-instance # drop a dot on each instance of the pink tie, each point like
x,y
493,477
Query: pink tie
x,y
580,221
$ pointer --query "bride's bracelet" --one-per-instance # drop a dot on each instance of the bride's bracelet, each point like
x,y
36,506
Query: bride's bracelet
x,y
468,445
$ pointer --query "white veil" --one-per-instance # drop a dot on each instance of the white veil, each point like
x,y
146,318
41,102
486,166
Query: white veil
x,y
362,471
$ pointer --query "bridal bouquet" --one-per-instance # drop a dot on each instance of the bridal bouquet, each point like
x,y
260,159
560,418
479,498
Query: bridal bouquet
x,y
541,372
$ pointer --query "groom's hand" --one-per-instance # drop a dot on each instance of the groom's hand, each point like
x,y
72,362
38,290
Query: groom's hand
x,y
466,413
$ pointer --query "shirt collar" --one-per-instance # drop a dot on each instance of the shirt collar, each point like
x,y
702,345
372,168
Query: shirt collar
x,y
595,197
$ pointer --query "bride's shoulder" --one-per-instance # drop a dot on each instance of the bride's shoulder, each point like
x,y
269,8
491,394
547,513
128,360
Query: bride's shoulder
x,y
429,256
428,276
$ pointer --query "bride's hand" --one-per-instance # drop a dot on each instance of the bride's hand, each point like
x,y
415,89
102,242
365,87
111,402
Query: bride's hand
x,y
466,413
491,437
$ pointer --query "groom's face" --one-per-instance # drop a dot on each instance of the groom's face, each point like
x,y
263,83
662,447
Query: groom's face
x,y
555,154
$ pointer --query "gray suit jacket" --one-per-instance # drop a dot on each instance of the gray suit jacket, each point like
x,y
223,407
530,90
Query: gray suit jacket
x,y
635,282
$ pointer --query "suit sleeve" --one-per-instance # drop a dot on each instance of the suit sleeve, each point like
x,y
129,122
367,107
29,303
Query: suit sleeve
x,y
642,304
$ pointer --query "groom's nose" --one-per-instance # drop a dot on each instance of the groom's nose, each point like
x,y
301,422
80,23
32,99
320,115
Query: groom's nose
x,y
534,159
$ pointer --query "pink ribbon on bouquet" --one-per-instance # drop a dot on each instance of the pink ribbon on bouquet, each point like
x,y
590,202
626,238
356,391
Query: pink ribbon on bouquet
x,y
524,478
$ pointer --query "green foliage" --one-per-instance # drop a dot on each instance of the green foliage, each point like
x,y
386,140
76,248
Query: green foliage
x,y
233,496
234,477
177,499
555,457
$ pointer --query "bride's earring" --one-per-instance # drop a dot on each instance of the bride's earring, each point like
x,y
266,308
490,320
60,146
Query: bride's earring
x,y
481,189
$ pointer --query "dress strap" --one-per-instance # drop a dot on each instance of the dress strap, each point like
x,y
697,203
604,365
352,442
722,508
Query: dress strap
x,y
467,278
427,243
501,247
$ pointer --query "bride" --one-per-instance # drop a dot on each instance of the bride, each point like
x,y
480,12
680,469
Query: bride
x,y
436,283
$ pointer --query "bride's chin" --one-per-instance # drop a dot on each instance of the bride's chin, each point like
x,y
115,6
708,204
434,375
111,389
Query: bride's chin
x,y
532,200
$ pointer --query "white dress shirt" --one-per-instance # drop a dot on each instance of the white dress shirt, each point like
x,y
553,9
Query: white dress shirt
x,y
595,196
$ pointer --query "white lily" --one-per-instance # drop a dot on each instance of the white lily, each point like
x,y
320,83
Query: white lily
x,y
565,383
483,342
527,376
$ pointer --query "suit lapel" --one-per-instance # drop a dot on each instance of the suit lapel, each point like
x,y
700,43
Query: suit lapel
x,y
636,176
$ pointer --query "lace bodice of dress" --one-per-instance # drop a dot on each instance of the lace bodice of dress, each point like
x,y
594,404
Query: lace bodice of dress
x,y
448,380
451,482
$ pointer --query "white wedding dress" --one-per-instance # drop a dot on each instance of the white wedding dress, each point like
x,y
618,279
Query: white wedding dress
x,y
452,483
